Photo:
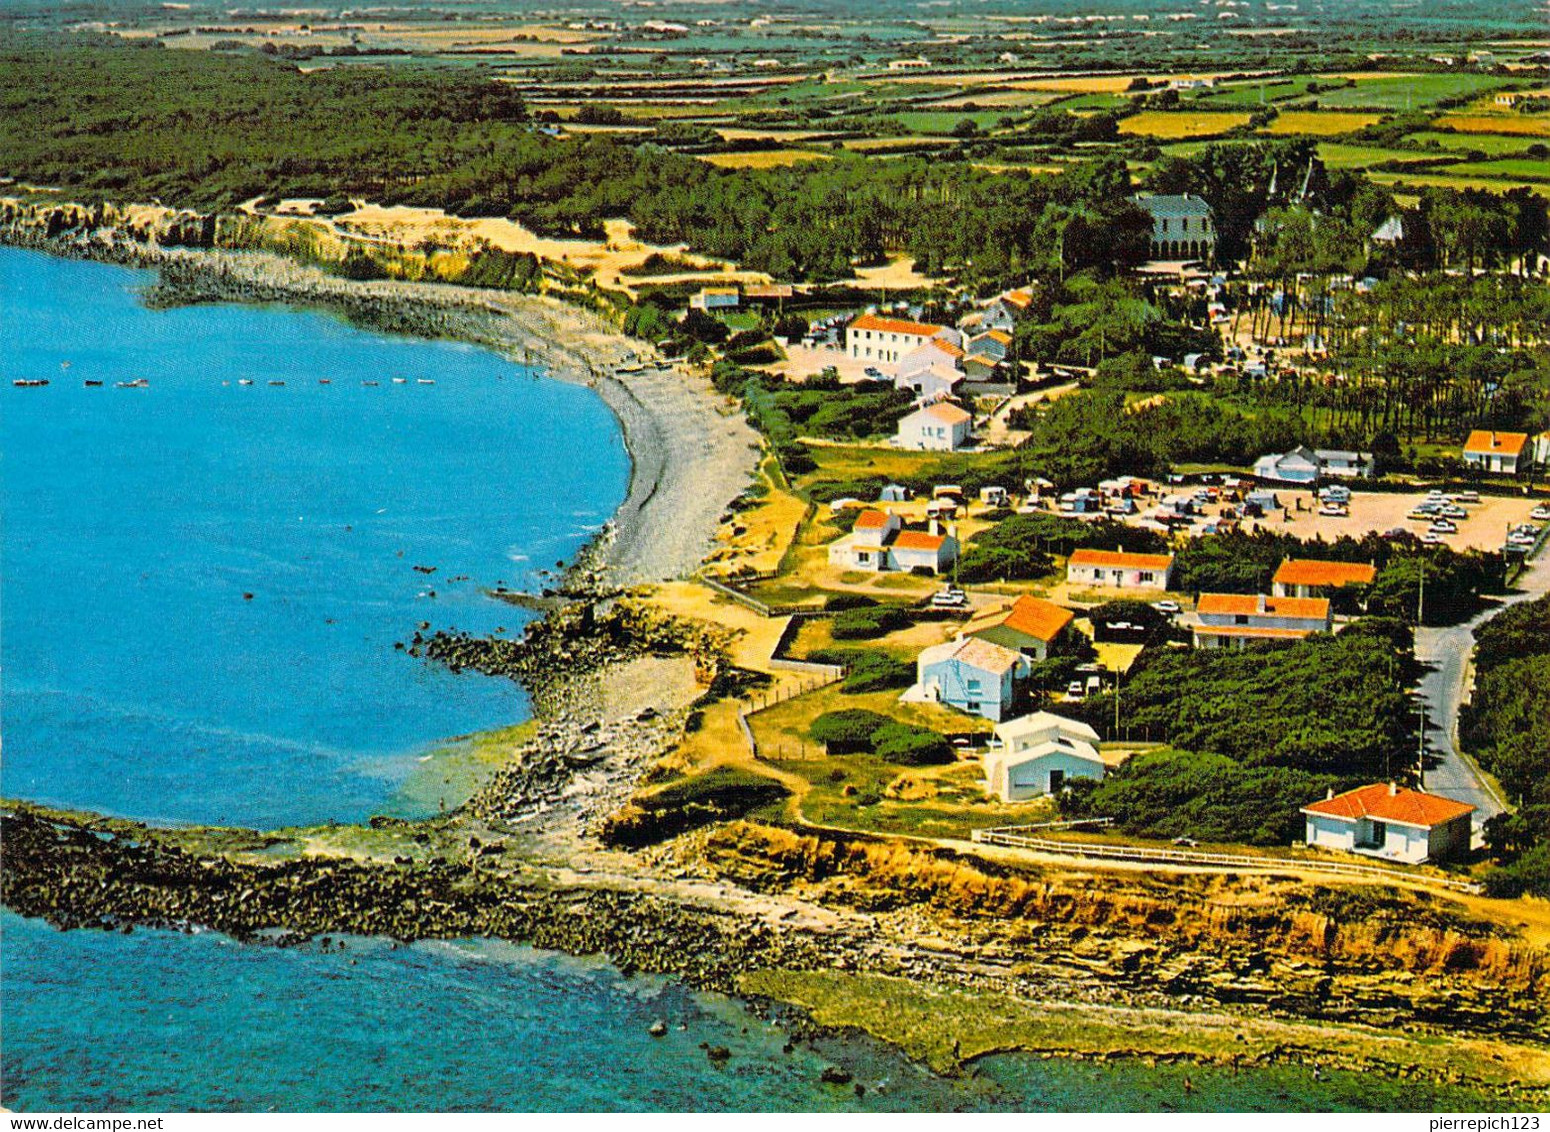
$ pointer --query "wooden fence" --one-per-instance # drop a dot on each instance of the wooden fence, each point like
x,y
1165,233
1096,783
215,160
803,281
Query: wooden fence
x,y
1018,837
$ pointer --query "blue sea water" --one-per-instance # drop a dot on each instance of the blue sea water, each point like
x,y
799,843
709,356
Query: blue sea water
x,y
140,679
140,676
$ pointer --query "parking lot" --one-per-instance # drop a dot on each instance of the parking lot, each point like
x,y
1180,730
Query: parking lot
x,y
1484,528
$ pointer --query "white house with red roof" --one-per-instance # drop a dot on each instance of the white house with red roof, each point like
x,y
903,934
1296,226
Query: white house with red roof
x,y
1495,451
1118,569
1392,822
938,427
879,542
930,371
1232,621
876,338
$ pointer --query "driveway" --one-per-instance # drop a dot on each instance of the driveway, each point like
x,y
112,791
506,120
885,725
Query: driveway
x,y
1446,651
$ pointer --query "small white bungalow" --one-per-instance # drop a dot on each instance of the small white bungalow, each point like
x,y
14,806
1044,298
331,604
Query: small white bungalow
x,y
1116,568
1038,754
1392,822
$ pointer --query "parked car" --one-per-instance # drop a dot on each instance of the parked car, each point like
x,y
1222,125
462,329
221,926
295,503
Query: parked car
x,y
1444,526
1171,608
1187,842
1074,690
1540,513
1470,496
1453,511
1336,510
1432,538
949,598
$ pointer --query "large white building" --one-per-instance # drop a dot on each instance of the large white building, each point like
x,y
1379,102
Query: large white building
x,y
874,338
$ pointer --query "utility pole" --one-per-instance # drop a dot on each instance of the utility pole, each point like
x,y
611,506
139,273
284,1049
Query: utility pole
x,y
1420,756
1116,703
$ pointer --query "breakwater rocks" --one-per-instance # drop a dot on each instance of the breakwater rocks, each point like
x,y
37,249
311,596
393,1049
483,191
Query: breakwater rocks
x,y
580,638
76,876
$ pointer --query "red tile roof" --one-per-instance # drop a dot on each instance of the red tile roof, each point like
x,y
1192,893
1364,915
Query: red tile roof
x,y
1120,560
1248,605
1032,616
896,326
1386,802
918,540
871,519
1487,443
1317,572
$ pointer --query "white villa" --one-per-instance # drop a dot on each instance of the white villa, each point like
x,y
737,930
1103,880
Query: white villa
x,y
1038,754
1236,620
1495,451
1392,822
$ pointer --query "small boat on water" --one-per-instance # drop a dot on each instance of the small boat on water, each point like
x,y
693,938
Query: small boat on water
x,y
30,382
426,381
325,381
244,381
371,383
400,380
277,383
137,383
92,383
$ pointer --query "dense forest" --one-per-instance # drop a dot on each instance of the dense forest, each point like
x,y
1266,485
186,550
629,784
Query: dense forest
x,y
1507,725
194,129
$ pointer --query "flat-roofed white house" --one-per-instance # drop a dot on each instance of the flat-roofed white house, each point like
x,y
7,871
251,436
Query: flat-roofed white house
x,y
715,298
973,676
1236,620
1391,822
874,338
1119,569
1495,451
1038,754
939,427
1345,464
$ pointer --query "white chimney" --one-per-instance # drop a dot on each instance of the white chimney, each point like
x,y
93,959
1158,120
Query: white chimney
x,y
1393,789
1329,793
1260,602
936,528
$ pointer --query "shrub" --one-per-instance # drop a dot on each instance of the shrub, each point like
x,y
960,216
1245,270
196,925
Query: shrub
x,y
868,670
850,729
865,624
911,746
838,603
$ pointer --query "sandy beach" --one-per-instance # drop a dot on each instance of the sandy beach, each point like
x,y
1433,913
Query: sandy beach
x,y
691,453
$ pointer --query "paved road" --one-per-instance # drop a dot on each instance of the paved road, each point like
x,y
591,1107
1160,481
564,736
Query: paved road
x,y
1447,652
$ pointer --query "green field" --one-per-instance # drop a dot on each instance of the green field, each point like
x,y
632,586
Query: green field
x,y
1399,92
1494,144
1515,168
1337,155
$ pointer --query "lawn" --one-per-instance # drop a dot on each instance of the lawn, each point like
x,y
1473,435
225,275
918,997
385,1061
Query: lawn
x,y
905,644
1320,123
1446,182
1517,168
1183,123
